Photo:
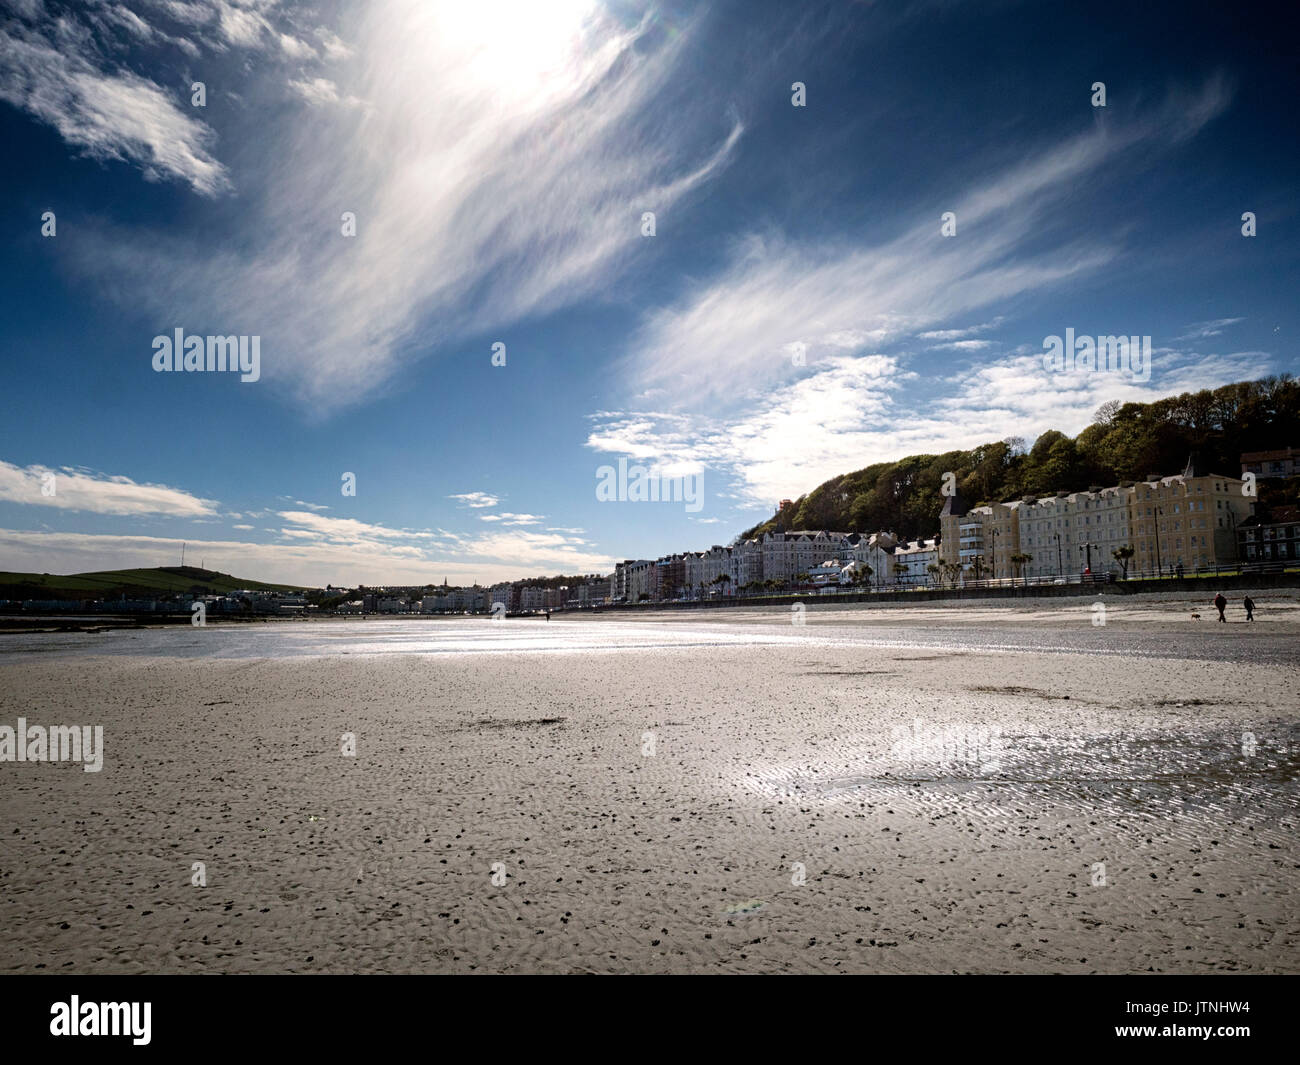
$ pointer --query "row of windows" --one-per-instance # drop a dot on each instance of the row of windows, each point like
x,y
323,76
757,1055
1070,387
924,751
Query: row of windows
x,y
1283,533
1273,551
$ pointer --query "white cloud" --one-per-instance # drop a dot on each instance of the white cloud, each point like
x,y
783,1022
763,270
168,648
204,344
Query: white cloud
x,y
296,49
129,21
341,530
334,48
965,345
56,74
319,91
858,411
477,499
958,334
78,489
506,518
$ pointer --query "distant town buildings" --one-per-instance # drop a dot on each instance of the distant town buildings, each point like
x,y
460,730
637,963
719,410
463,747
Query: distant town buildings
x,y
1178,524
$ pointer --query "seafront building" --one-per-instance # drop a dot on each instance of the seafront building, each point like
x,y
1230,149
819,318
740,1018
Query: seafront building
x,y
911,564
1284,462
1270,536
1186,521
787,554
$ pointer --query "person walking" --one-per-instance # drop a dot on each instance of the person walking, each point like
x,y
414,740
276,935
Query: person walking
x,y
1220,604
1249,604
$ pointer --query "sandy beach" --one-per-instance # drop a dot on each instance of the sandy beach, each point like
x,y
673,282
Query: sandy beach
x,y
874,791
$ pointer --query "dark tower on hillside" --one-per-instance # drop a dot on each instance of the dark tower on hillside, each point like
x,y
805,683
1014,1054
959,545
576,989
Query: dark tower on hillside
x,y
954,509
954,506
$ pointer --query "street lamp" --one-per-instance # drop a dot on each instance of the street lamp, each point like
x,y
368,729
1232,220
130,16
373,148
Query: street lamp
x,y
1232,527
994,565
1159,569
1060,566
1089,548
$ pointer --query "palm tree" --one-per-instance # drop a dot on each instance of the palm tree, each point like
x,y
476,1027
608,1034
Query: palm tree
x,y
1020,561
900,569
934,570
1122,556
977,564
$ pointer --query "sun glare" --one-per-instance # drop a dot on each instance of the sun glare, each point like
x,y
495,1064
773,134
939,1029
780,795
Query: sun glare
x,y
518,45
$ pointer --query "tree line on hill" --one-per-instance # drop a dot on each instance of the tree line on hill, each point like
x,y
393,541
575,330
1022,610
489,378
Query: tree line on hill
x,y
1126,442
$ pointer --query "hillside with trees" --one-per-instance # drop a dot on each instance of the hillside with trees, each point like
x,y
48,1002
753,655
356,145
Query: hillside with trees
x,y
1125,443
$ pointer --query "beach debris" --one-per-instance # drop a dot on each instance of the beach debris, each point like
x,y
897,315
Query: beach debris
x,y
746,908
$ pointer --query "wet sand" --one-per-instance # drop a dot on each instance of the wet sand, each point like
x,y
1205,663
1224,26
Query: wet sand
x,y
812,804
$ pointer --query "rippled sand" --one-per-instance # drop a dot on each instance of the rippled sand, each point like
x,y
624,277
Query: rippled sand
x,y
811,805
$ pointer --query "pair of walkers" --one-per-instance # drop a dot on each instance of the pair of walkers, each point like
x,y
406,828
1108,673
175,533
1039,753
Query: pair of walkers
x,y
1221,604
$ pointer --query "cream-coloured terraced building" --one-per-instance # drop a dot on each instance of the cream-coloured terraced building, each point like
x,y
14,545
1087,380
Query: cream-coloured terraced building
x,y
1187,519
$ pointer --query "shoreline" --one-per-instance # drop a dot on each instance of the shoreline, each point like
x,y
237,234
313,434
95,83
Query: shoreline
x,y
893,603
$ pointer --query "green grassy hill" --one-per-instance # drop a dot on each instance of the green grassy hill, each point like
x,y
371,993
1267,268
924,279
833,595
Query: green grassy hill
x,y
165,580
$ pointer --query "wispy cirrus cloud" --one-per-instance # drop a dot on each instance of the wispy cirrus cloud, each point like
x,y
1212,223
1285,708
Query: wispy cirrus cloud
x,y
1204,330
506,180
962,333
780,305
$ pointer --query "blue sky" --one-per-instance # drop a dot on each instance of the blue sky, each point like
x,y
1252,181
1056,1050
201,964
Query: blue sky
x,y
797,313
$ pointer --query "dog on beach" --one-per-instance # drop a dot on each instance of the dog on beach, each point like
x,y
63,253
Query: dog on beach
x,y
1196,617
